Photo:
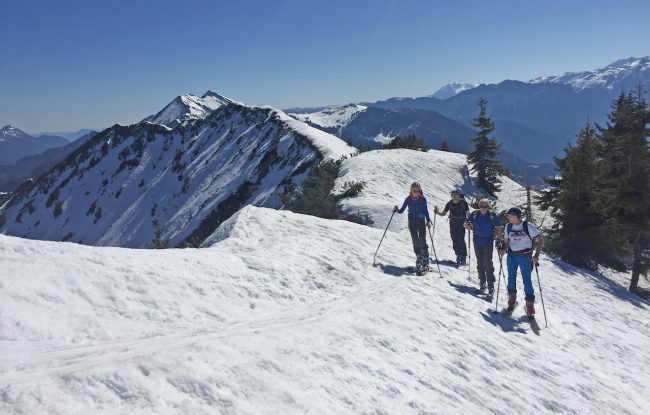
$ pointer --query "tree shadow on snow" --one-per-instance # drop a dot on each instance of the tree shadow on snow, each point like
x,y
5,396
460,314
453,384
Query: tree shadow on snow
x,y
466,289
602,282
506,323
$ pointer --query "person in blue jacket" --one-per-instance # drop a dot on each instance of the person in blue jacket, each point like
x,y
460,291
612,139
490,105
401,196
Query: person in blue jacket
x,y
418,217
483,223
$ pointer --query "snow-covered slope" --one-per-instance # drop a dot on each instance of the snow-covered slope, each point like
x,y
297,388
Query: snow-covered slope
x,y
622,74
188,107
450,90
332,118
285,313
129,185
388,175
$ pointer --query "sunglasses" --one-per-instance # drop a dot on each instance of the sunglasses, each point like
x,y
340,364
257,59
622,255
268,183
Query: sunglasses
x,y
483,207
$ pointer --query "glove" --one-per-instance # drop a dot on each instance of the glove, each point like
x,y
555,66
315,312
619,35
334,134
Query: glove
x,y
395,209
435,209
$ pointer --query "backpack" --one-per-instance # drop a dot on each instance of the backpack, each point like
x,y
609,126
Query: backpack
x,y
509,226
459,206
491,216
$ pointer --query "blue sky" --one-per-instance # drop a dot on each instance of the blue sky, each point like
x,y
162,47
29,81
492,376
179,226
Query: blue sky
x,y
65,65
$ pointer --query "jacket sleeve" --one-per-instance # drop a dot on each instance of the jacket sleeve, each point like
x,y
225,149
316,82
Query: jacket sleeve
x,y
497,222
447,207
470,218
426,210
406,201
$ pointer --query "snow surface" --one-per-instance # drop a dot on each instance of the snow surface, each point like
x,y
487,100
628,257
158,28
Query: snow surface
x,y
286,313
330,146
332,117
389,173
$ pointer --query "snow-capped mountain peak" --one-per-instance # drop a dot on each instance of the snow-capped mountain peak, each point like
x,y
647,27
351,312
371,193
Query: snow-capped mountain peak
x,y
9,131
188,107
621,74
452,89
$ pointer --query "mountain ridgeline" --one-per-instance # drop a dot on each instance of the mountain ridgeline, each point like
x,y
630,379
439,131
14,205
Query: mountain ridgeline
x,y
149,185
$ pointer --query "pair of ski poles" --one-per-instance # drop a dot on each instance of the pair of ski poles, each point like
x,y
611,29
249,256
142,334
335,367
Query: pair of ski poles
x,y
539,284
374,261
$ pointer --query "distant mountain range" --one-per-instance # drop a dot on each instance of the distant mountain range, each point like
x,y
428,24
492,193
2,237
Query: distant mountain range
x,y
16,144
70,135
30,167
538,118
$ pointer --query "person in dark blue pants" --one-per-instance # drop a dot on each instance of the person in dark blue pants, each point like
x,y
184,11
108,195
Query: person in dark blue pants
x,y
419,220
483,222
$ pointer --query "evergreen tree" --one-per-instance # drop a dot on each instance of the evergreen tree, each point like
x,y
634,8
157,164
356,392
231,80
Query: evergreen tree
x,y
444,146
484,158
581,234
626,179
409,141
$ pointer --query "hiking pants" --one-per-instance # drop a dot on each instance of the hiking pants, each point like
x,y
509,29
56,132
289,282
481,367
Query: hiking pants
x,y
419,236
525,266
457,231
484,264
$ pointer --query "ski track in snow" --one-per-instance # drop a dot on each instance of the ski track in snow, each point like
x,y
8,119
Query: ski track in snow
x,y
285,313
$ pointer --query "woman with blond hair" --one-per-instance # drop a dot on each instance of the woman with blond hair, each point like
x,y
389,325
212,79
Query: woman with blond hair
x,y
419,220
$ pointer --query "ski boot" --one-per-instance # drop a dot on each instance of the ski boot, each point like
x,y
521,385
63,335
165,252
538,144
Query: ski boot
x,y
419,266
530,306
481,289
512,301
490,290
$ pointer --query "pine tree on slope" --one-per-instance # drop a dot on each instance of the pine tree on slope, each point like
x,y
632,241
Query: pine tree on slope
x,y
485,157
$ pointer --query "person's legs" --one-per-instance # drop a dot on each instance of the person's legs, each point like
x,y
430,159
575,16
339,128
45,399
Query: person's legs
x,y
512,280
453,231
488,265
526,268
461,236
480,263
414,238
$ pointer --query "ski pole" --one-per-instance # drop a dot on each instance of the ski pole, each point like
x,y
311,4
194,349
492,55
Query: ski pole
x,y
469,255
434,249
382,238
496,303
539,284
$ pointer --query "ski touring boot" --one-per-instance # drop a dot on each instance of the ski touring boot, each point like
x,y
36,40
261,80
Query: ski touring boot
x,y
530,306
512,302
481,289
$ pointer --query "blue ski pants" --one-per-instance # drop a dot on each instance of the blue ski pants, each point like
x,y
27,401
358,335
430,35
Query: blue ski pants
x,y
526,268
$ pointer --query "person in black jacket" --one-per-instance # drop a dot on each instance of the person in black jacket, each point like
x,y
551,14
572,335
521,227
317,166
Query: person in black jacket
x,y
458,210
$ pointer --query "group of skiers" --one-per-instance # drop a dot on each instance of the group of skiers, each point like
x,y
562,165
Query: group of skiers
x,y
520,240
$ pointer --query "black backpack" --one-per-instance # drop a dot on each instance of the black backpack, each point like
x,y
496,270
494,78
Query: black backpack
x,y
509,226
